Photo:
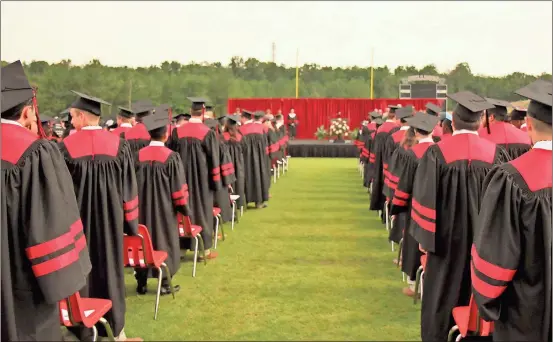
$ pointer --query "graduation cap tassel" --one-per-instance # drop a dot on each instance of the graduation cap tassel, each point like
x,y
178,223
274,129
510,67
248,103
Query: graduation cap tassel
x,y
488,122
203,112
35,107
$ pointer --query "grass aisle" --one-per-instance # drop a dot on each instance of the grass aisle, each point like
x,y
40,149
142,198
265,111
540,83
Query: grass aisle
x,y
315,265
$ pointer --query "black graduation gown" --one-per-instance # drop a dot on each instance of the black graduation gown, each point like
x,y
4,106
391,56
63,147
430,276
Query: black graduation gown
x,y
380,153
44,251
392,145
405,167
234,146
366,153
228,177
121,131
397,162
162,193
292,123
102,169
256,171
198,148
222,196
511,255
283,141
274,146
512,139
447,193
138,138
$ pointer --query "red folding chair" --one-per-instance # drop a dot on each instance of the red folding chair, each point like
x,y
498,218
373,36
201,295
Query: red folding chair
x,y
468,322
190,231
75,311
140,253
218,222
420,278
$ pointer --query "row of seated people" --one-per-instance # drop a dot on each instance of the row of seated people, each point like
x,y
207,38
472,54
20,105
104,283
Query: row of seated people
x,y
469,203
75,212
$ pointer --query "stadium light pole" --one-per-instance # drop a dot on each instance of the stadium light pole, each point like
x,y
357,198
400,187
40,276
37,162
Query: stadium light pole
x,y
297,73
372,71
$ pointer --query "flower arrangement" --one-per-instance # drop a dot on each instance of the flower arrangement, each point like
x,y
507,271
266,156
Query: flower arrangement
x,y
339,128
321,133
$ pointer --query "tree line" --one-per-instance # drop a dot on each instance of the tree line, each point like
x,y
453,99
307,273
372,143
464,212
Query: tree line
x,y
172,82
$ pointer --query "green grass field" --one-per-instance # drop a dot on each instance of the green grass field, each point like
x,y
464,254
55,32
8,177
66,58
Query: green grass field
x,y
315,265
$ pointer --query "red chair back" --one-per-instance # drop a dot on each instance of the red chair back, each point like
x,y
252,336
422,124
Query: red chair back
x,y
184,225
423,261
70,310
138,250
476,323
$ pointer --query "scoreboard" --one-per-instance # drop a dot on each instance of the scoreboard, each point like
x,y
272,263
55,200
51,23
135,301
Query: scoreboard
x,y
433,87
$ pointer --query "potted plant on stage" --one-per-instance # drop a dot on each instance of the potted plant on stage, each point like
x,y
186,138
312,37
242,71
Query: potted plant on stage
x,y
321,133
339,129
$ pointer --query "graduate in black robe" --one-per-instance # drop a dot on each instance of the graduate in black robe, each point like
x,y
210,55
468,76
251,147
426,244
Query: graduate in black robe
x,y
44,253
292,124
283,135
379,151
272,139
404,164
447,192
162,193
511,255
367,151
233,141
501,132
102,169
138,136
124,122
256,162
198,148
222,196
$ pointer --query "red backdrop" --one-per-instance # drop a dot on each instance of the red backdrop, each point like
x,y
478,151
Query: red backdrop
x,y
312,113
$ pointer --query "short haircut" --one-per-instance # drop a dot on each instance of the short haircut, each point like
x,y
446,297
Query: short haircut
x,y
196,112
158,133
422,132
15,112
540,126
462,124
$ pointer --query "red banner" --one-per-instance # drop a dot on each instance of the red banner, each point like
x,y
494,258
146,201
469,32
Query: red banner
x,y
313,112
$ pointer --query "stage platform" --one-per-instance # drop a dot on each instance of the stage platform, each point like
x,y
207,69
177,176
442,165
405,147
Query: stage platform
x,y
321,149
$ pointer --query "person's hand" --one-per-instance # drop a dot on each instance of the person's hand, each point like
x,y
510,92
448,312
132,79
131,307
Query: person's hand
x,y
421,249
230,189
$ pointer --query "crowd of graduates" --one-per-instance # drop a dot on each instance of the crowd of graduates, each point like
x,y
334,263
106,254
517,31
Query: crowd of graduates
x,y
466,196
74,189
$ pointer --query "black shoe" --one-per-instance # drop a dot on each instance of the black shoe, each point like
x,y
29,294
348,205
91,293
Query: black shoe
x,y
142,289
165,289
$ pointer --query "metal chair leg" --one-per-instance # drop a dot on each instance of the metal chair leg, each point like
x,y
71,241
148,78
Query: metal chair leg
x,y
159,277
107,328
222,225
451,332
169,278
241,211
233,215
94,333
274,175
422,283
216,231
417,284
400,248
202,247
195,257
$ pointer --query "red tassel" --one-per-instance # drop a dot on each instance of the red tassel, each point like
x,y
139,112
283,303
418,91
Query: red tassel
x,y
41,133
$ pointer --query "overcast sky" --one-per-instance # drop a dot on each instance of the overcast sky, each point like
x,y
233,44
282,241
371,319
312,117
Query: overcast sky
x,y
495,38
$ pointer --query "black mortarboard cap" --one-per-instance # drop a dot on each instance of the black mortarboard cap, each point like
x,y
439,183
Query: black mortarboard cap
x,y
518,114
15,86
197,102
45,118
247,114
233,119
259,114
423,121
469,106
539,93
432,109
156,120
208,107
393,108
500,107
142,112
88,103
375,115
162,109
378,121
405,112
126,113
142,104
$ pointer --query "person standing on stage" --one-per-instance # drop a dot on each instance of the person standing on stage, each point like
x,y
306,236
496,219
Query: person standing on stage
x,y
511,255
292,124
36,237
447,192
198,148
102,170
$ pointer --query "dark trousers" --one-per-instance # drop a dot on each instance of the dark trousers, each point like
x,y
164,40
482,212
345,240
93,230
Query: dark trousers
x,y
142,274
